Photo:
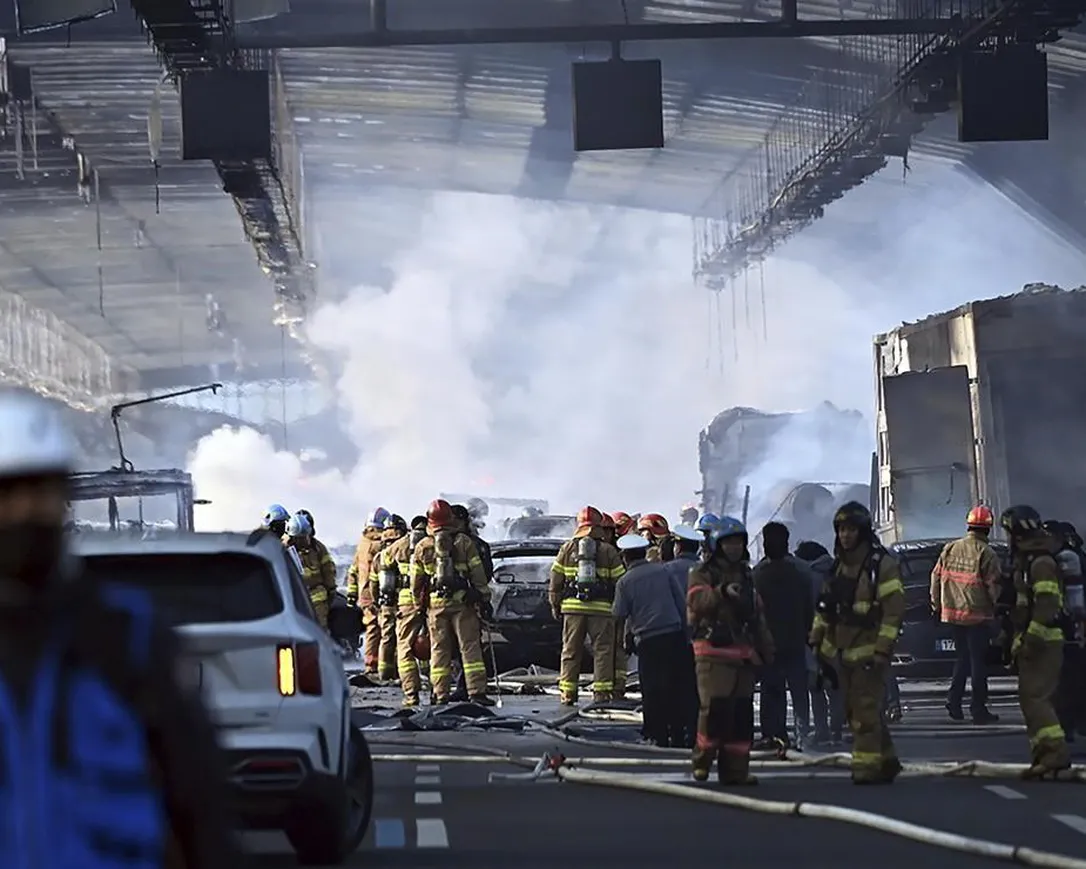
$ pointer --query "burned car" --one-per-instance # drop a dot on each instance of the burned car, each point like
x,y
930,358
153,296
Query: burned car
x,y
925,648
540,526
524,630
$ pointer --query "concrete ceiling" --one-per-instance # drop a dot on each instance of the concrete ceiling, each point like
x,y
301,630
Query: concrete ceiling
x,y
136,277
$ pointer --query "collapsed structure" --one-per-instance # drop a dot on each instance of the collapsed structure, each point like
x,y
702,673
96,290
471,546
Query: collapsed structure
x,y
985,403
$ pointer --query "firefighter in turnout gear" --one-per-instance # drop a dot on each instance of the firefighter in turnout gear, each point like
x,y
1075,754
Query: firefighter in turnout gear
x,y
359,589
856,624
607,523
624,524
395,573
582,592
654,528
384,583
731,639
448,576
1038,636
318,567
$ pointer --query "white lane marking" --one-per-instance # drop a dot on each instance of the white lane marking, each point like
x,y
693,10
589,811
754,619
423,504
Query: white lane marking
x,y
431,833
428,767
1005,792
1073,821
427,780
427,798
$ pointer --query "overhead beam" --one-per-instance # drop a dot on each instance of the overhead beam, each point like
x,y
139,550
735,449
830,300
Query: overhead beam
x,y
150,380
383,37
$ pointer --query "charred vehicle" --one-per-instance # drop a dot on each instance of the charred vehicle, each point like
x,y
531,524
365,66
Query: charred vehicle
x,y
524,631
925,648
540,526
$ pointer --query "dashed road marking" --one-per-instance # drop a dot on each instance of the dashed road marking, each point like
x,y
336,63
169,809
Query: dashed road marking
x,y
431,833
389,833
1005,792
427,798
427,780
1076,823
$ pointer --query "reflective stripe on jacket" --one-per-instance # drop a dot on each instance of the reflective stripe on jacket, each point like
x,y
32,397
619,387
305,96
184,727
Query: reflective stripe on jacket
x,y
609,568
965,581
1038,592
398,555
466,563
358,573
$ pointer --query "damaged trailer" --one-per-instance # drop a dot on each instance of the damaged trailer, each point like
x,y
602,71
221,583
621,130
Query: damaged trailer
x,y
985,403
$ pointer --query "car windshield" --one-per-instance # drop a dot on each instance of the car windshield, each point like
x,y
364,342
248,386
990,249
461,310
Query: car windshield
x,y
196,588
529,569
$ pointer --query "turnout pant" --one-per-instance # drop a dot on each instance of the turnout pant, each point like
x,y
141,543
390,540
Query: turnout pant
x,y
409,623
371,630
669,698
783,678
456,625
864,689
725,719
386,650
621,661
601,630
1038,679
320,609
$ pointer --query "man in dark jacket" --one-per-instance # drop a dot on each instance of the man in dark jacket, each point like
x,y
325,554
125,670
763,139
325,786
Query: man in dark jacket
x,y
827,701
651,599
785,590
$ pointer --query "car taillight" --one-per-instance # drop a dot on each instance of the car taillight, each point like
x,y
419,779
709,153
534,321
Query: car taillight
x,y
298,669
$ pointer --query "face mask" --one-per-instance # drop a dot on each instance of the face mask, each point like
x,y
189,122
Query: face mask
x,y
30,552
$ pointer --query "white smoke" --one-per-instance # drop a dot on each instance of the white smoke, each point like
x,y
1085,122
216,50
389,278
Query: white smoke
x,y
501,362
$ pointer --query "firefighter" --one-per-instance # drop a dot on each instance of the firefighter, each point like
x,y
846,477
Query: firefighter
x,y
856,624
410,622
1038,637
385,592
965,585
624,524
582,591
1067,700
688,515
471,525
357,581
731,639
448,579
275,520
318,568
654,528
607,523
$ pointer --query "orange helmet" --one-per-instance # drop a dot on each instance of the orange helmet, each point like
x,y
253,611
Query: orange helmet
x,y
440,514
655,524
624,523
607,520
980,517
588,516
420,646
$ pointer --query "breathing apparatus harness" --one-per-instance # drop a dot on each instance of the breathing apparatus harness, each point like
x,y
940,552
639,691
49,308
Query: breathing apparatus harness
x,y
390,580
722,632
586,586
448,582
836,604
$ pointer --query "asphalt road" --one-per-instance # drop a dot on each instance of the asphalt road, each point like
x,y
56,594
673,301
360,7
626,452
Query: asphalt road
x,y
460,815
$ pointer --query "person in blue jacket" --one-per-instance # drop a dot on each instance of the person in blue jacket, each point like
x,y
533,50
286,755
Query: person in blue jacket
x,y
105,761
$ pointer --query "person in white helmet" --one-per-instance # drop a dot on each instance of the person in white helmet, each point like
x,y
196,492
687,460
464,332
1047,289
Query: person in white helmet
x,y
130,762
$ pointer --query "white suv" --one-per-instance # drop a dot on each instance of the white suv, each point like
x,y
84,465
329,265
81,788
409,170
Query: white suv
x,y
271,678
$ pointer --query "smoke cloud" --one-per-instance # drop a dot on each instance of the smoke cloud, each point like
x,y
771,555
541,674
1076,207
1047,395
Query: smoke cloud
x,y
539,350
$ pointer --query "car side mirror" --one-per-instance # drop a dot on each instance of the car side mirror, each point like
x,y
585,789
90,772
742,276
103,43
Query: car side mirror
x,y
505,577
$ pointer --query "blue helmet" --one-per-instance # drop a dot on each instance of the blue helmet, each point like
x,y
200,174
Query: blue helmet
x,y
725,527
707,522
377,518
275,513
299,525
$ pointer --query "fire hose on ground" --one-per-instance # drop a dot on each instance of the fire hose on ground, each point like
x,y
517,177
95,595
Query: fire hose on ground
x,y
578,771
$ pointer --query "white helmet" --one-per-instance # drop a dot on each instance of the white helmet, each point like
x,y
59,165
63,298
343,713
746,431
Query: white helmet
x,y
299,525
35,439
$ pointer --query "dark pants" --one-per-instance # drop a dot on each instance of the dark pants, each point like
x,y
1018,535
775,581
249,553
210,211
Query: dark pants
x,y
669,696
786,676
828,711
971,645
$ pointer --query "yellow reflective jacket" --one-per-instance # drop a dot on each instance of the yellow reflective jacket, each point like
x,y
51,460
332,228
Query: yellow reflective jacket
x,y
396,558
878,604
358,573
466,565
1038,589
318,569
723,632
609,569
965,581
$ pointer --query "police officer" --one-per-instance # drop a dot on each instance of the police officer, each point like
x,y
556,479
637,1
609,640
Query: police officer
x,y
731,639
117,749
582,589
448,575
856,624
385,592
1038,637
318,567
359,590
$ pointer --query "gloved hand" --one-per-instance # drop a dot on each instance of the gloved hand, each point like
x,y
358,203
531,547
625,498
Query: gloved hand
x,y
629,645
936,612
352,599
486,611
